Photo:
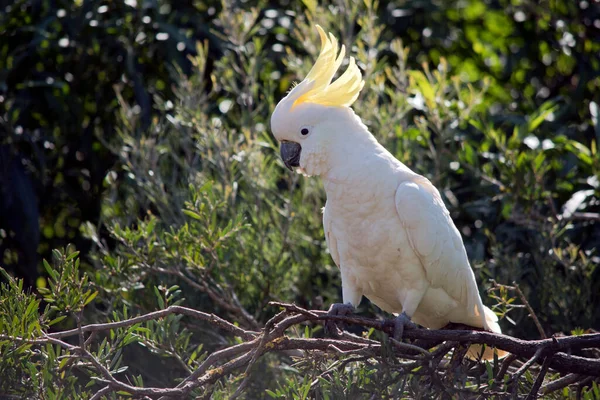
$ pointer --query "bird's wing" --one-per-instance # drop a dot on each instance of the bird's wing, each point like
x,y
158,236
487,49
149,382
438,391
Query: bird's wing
x,y
437,243
330,238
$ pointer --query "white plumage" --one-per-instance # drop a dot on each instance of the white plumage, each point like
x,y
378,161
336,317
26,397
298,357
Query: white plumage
x,y
387,228
390,233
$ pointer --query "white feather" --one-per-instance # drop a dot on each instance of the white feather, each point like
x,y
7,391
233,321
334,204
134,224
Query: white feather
x,y
389,232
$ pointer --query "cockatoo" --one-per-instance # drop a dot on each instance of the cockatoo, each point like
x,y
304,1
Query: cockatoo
x,y
386,227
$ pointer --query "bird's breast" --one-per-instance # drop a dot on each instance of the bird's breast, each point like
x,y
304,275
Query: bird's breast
x,y
372,243
374,249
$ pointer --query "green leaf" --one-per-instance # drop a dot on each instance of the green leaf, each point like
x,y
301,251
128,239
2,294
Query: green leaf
x,y
476,124
424,86
161,301
150,226
31,307
57,320
6,275
57,254
91,383
72,256
490,372
90,298
539,160
63,362
311,5
141,329
469,154
540,115
121,369
53,273
521,159
305,390
193,214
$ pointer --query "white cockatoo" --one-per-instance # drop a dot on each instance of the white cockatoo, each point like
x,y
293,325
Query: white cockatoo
x,y
386,227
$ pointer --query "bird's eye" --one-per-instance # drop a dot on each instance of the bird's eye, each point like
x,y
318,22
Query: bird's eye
x,y
304,131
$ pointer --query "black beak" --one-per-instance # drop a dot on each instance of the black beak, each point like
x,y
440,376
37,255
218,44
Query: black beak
x,y
290,154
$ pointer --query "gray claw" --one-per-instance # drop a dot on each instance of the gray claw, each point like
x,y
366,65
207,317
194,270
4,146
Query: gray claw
x,y
401,321
332,327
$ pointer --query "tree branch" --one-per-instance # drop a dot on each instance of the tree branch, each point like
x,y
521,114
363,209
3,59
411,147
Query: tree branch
x,y
428,350
210,318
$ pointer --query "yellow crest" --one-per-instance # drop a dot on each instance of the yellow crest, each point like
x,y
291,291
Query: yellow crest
x,y
344,91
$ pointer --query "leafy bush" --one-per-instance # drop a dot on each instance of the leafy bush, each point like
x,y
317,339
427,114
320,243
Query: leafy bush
x,y
199,219
64,65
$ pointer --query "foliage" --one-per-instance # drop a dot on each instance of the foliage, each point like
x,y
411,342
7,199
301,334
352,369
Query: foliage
x,y
25,368
63,67
188,205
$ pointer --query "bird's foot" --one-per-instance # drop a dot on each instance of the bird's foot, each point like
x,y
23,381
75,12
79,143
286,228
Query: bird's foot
x,y
333,327
400,322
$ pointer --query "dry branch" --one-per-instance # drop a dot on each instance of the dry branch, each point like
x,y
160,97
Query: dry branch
x,y
210,318
427,350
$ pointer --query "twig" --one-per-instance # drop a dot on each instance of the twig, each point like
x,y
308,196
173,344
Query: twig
x,y
503,368
214,358
294,308
110,379
523,299
457,356
236,309
539,380
410,347
561,383
582,384
211,318
255,354
532,314
528,364
98,395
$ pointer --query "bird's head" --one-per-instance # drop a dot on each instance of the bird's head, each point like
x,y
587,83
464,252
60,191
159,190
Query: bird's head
x,y
315,116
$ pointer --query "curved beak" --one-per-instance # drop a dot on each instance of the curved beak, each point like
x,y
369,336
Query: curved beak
x,y
290,154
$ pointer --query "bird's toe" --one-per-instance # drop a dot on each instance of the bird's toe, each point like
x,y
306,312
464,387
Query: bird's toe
x,y
400,322
337,309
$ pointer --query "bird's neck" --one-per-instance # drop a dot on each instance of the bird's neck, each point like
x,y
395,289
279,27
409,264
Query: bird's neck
x,y
353,161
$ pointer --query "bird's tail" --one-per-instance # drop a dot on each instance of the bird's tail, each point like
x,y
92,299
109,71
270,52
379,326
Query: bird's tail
x,y
478,351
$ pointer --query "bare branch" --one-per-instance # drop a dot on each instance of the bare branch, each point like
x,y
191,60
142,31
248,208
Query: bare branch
x,y
98,395
428,350
561,383
503,368
523,299
539,380
210,318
